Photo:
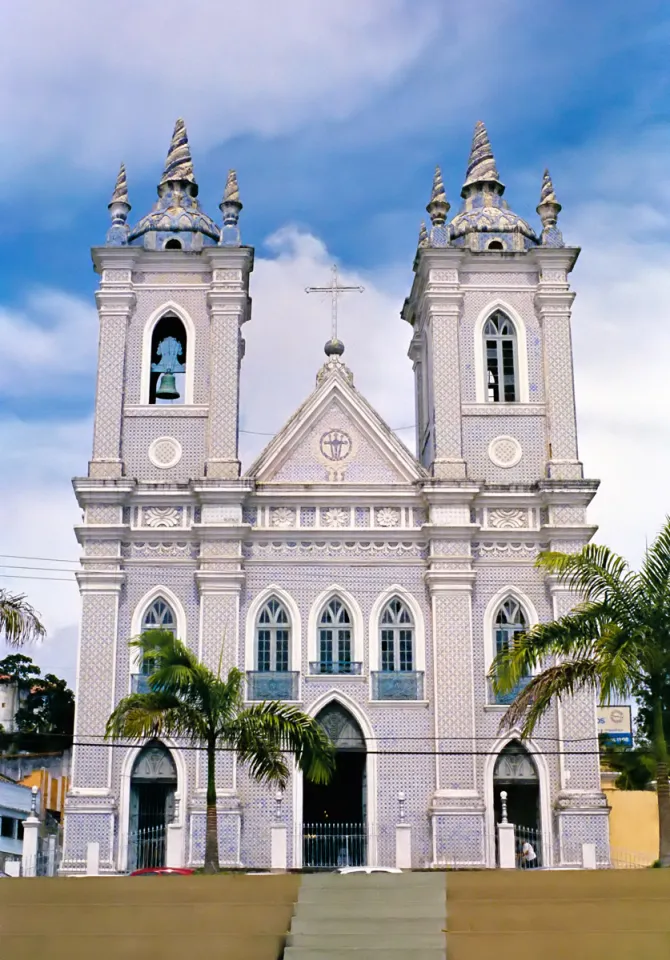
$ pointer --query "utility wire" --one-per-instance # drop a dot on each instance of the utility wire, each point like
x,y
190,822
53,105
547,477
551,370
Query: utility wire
x,y
263,433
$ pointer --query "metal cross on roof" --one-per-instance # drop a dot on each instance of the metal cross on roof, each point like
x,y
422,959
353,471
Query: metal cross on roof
x,y
334,289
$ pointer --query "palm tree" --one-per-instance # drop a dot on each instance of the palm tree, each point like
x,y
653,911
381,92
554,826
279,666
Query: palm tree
x,y
188,700
19,623
614,642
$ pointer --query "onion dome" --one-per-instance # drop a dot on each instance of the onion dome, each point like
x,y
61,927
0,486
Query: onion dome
x,y
177,220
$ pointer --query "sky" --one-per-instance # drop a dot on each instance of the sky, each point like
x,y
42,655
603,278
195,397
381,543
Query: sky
x,y
334,115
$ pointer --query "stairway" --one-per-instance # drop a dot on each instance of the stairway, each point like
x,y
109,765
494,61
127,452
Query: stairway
x,y
369,917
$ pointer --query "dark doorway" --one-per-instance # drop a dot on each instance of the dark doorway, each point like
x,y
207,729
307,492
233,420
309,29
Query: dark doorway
x,y
515,773
153,785
334,815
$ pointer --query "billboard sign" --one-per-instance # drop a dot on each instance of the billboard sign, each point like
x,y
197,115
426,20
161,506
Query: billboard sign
x,y
616,723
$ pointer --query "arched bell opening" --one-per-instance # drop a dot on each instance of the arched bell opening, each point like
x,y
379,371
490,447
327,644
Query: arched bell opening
x,y
335,814
516,776
167,382
153,785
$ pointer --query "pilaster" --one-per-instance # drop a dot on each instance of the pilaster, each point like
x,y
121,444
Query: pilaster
x,y
230,307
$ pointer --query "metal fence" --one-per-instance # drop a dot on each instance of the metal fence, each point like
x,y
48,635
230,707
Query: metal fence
x,y
147,847
629,860
523,836
330,845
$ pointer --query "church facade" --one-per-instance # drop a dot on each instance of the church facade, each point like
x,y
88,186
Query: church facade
x,y
341,573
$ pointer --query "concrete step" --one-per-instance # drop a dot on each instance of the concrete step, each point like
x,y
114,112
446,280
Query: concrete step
x,y
393,937
362,908
374,895
372,880
364,926
562,916
553,946
427,953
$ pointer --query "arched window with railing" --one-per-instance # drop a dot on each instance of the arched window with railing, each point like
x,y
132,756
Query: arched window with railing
x,y
501,353
335,640
272,638
169,356
510,621
159,615
396,637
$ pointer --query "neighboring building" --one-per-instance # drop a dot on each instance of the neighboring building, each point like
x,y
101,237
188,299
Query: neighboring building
x,y
15,805
633,823
340,572
9,704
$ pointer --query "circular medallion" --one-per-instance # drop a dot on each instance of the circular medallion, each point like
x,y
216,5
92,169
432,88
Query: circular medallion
x,y
335,445
164,452
505,451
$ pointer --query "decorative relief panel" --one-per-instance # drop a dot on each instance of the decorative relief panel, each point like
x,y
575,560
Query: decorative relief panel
x,y
103,513
295,550
488,550
160,551
335,517
167,517
282,517
387,517
507,518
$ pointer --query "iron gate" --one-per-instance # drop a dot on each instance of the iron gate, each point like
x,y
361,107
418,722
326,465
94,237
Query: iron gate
x,y
329,845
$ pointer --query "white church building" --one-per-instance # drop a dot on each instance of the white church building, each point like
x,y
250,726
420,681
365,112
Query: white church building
x,y
340,572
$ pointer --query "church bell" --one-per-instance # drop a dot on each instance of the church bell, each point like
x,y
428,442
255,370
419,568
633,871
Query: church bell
x,y
167,389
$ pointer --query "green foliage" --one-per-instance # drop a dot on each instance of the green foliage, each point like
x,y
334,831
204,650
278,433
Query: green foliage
x,y
189,701
45,714
616,642
635,766
19,623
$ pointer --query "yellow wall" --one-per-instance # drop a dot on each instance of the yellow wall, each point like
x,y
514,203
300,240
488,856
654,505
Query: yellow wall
x,y
52,789
633,821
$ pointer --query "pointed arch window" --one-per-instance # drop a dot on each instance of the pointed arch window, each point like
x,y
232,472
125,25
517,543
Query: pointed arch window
x,y
272,638
167,380
510,621
158,616
335,639
502,368
396,637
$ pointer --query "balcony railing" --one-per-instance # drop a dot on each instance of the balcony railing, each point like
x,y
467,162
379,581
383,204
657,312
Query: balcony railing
x,y
505,699
139,683
272,685
325,666
397,685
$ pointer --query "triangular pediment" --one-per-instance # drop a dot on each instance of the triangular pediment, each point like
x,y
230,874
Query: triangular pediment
x,y
336,437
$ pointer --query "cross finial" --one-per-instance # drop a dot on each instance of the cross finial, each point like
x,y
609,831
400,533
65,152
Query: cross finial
x,y
335,289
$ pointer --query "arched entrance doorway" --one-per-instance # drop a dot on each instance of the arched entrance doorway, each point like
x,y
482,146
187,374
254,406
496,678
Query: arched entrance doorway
x,y
153,784
515,773
335,815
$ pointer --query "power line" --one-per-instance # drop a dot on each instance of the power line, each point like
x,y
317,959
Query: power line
x,y
16,566
18,556
263,433
15,576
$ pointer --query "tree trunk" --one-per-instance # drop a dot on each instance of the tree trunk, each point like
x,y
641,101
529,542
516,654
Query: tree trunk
x,y
212,827
662,785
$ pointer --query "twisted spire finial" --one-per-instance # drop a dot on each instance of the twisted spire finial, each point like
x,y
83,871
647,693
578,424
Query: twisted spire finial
x,y
230,207
120,194
438,205
178,165
423,235
231,193
481,164
548,210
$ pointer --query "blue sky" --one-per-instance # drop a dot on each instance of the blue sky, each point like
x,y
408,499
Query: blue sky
x,y
334,115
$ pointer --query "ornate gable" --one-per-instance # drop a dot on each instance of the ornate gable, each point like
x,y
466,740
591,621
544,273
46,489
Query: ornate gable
x,y
336,437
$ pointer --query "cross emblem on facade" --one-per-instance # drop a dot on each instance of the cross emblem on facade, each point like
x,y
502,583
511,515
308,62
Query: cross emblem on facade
x,y
335,289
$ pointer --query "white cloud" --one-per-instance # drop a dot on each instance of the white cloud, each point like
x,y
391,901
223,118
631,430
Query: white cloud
x,y
85,83
48,341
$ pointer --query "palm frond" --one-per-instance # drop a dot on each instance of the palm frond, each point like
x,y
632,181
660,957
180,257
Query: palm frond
x,y
561,680
656,566
19,622
596,573
143,715
286,728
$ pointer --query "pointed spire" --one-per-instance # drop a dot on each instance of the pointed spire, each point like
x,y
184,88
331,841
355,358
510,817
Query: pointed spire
x,y
423,235
230,207
438,206
178,165
481,164
119,208
231,194
548,210
120,194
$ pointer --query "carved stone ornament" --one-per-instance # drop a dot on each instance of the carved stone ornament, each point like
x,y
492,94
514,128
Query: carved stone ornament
x,y
282,517
164,452
335,517
387,517
505,451
162,517
507,519
335,449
